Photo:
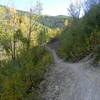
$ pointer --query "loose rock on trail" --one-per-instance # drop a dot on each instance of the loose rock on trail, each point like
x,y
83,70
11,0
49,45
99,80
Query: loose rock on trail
x,y
71,81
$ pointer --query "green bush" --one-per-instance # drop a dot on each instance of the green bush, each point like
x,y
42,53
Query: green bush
x,y
20,79
81,37
97,53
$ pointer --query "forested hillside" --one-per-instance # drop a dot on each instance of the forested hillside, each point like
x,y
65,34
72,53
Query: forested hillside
x,y
54,21
48,21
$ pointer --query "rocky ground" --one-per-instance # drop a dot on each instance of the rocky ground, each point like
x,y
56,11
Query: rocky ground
x,y
66,81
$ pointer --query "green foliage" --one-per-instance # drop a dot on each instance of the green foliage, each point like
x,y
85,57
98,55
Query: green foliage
x,y
48,21
81,37
22,69
21,80
53,22
97,53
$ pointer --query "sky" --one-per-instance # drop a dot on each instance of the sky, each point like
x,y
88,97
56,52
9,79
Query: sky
x,y
50,7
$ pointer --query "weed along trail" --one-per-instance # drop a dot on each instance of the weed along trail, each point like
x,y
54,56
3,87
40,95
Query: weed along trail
x,y
76,81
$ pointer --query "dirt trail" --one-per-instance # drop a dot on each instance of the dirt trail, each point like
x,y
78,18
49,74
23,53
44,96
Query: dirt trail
x,y
65,81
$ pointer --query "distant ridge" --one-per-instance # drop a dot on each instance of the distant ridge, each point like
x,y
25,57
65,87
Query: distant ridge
x,y
49,21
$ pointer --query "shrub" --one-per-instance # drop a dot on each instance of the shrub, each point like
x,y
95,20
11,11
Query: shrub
x,y
21,80
97,53
81,37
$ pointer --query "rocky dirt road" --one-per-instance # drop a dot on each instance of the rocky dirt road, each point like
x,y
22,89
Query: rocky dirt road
x,y
66,81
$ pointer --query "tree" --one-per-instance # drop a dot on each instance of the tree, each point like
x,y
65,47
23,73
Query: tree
x,y
74,9
87,4
9,30
14,24
34,15
37,8
32,22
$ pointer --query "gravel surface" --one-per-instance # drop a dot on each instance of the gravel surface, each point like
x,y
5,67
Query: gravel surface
x,y
66,81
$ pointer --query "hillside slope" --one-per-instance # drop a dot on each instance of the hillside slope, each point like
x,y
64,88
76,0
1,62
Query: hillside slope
x,y
49,21
53,21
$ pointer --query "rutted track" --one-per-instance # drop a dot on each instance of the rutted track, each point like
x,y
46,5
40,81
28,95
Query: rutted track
x,y
77,81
